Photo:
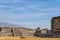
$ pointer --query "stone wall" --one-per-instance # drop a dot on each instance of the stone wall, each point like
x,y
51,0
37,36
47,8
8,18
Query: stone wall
x,y
27,32
17,32
7,31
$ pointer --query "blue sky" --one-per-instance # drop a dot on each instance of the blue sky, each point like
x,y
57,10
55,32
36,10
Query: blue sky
x,y
29,13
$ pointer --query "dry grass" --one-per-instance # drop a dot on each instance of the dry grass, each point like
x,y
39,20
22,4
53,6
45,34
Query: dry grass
x,y
9,38
27,38
36,38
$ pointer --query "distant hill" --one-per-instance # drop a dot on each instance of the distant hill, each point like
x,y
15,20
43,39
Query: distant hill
x,y
2,24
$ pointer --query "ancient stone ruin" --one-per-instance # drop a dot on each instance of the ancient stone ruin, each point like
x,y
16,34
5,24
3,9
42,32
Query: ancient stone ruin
x,y
12,31
55,29
17,31
55,26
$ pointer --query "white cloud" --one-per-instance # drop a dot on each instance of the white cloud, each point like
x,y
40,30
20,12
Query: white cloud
x,y
9,1
23,16
42,7
15,1
35,6
32,6
2,6
49,9
19,9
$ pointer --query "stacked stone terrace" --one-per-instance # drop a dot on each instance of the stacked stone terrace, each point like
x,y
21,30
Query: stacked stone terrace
x,y
6,31
10,31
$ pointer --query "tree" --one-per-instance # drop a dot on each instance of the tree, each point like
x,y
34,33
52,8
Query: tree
x,y
38,28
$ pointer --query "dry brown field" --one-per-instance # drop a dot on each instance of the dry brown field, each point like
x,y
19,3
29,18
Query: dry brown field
x,y
26,38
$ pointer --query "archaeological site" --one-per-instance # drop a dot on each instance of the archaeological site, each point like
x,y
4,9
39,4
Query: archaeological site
x,y
23,32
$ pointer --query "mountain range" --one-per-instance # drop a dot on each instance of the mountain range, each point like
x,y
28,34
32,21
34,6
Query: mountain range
x,y
3,24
